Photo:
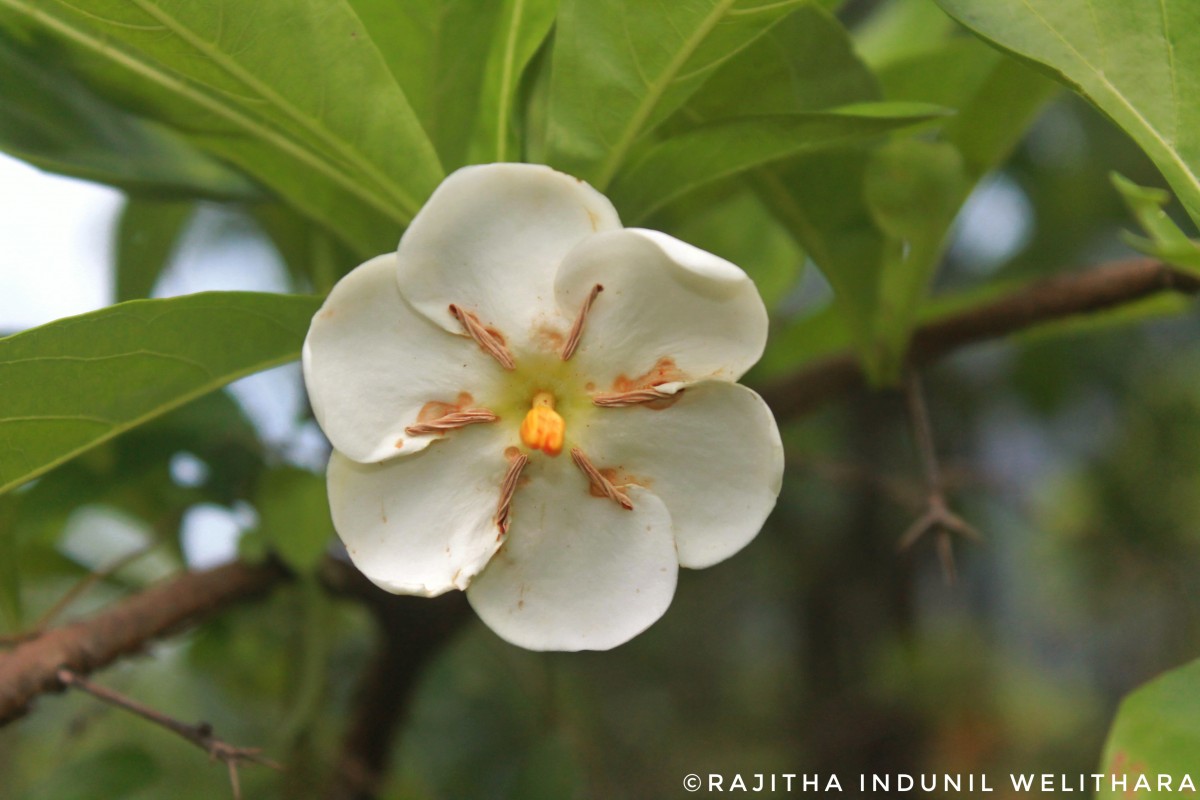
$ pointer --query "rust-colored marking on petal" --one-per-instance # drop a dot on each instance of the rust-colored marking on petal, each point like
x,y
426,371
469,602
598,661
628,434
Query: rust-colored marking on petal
x,y
665,370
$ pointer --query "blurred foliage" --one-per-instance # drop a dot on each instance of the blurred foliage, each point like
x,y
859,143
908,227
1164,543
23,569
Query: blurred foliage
x,y
871,164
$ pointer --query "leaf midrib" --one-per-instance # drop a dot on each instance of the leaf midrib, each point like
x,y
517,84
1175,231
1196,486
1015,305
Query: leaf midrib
x,y
309,123
183,88
1163,144
656,90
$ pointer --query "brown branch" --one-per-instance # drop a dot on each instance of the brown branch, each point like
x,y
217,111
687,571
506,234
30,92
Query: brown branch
x,y
200,734
71,595
32,668
1057,298
410,632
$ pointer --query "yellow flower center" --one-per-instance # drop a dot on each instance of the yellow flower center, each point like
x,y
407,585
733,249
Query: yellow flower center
x,y
543,427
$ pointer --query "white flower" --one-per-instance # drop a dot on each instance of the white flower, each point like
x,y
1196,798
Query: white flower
x,y
529,402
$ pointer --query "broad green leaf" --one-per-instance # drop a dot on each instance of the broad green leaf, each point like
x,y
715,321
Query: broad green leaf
x,y
432,48
899,29
805,62
52,120
913,190
147,234
722,149
1155,732
77,382
523,27
1167,241
295,94
293,516
620,68
1135,59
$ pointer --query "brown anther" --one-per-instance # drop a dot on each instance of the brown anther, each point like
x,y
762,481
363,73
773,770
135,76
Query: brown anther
x,y
508,488
490,341
602,484
636,397
448,422
577,329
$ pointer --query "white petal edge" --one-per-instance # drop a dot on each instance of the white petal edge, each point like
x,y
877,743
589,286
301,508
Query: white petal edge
x,y
424,524
662,299
490,240
371,363
714,457
577,572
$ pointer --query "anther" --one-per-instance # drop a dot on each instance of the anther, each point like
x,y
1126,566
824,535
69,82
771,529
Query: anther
x,y
600,483
577,329
448,422
632,398
490,341
508,488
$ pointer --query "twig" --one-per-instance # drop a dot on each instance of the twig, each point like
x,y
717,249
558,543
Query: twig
x,y
200,734
937,517
1056,298
82,647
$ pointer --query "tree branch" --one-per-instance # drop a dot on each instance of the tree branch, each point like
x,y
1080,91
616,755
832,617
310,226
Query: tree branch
x,y
31,668
1056,298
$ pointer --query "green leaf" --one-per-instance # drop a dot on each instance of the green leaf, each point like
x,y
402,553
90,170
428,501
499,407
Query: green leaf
x,y
432,48
900,29
147,234
622,67
293,515
805,62
722,149
295,94
996,97
1167,242
524,25
77,382
1155,733
50,119
1135,59
913,190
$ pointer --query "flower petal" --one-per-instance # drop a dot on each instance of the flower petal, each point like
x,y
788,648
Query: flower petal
x,y
713,457
668,312
371,364
490,240
577,572
424,524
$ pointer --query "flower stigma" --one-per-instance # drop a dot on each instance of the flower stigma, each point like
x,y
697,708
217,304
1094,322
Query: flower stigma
x,y
543,427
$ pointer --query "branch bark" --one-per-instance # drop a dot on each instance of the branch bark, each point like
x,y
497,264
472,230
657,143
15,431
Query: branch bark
x,y
31,668
1056,298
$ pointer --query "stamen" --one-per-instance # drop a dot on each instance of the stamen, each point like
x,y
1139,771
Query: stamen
x,y
448,422
491,343
632,398
577,329
508,488
599,482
